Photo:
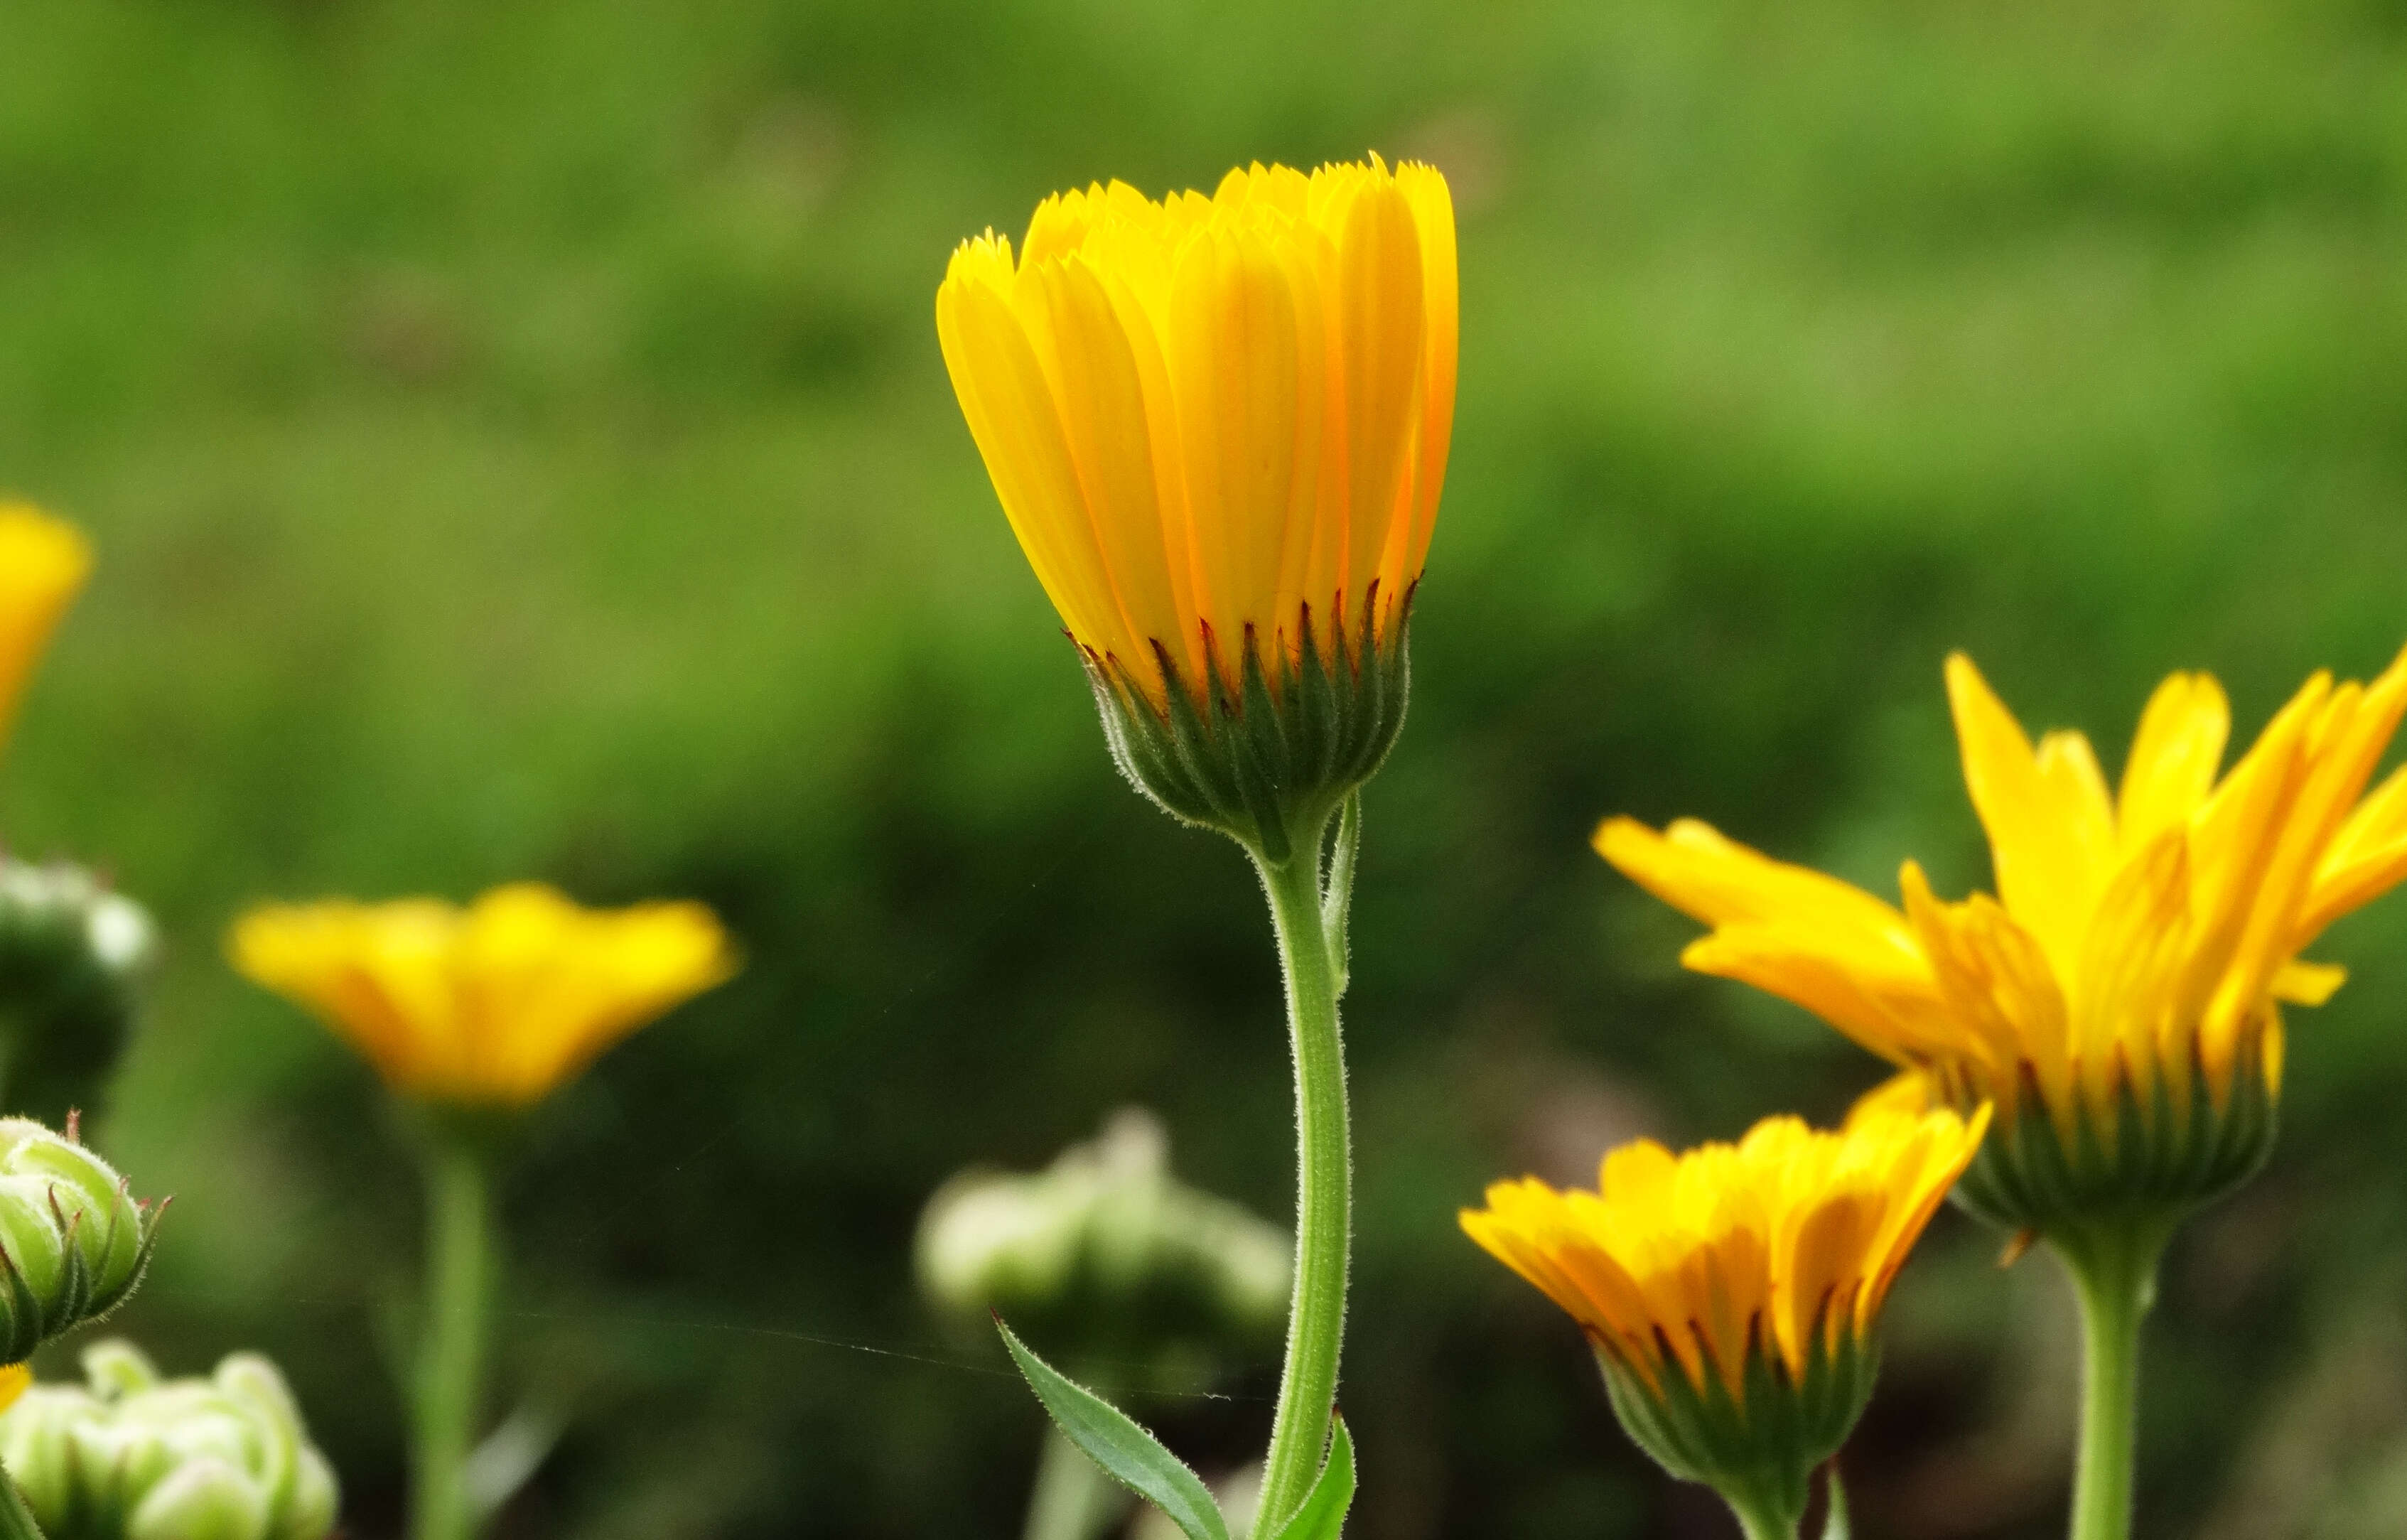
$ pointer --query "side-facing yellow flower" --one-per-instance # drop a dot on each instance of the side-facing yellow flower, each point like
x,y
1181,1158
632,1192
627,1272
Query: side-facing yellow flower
x,y
1219,426
1730,1292
492,1005
2120,1000
43,564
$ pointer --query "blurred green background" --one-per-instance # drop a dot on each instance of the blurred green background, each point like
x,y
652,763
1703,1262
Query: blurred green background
x,y
517,444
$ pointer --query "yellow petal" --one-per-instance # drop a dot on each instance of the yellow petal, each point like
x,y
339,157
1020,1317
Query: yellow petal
x,y
1382,319
1232,356
1433,207
2173,759
492,1005
2050,831
1010,406
2308,983
43,564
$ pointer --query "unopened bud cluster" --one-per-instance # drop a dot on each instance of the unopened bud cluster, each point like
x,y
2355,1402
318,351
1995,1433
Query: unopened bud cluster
x,y
72,957
1104,1251
128,1455
73,1241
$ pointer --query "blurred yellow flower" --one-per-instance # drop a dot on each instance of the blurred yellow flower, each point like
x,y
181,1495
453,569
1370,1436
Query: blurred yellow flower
x,y
1216,422
1781,1246
43,562
492,1005
15,1379
2142,942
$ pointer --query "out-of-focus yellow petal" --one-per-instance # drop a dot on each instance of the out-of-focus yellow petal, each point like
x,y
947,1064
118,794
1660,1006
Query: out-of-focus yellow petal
x,y
15,1380
2051,833
1694,868
2308,983
1906,1093
43,565
2173,759
495,1004
2367,859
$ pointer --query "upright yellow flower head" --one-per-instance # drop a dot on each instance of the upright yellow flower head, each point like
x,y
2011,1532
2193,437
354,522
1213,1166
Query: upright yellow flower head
x,y
1219,426
43,562
2120,999
1731,1292
489,1006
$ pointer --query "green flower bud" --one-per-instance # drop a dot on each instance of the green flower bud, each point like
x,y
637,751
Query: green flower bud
x,y
128,1455
73,1242
72,959
1106,1253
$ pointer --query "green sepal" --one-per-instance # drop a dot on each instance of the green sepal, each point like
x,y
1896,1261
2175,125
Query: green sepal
x,y
1323,1514
1266,757
2147,1160
1758,1448
1125,1452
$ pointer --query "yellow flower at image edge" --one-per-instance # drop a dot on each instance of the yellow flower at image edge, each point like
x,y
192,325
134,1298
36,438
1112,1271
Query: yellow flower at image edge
x,y
15,1379
1219,426
1730,1292
2120,999
491,1005
43,564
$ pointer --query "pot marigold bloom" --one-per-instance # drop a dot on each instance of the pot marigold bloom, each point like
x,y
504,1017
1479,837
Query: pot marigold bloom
x,y
1730,1292
492,1005
1219,426
43,564
2120,1000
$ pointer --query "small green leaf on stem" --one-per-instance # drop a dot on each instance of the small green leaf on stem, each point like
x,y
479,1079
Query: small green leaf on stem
x,y
1323,1514
1337,893
1127,1453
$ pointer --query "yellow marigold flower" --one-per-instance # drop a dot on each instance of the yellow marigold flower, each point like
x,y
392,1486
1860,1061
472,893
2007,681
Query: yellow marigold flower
x,y
15,1379
1219,426
43,562
2120,999
491,1005
1731,1292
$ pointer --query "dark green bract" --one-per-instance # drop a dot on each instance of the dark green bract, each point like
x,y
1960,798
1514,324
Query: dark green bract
x,y
1759,1451
1265,758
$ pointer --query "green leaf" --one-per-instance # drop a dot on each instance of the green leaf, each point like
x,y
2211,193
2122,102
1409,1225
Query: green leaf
x,y
1127,1453
1337,893
1323,1513
1834,1524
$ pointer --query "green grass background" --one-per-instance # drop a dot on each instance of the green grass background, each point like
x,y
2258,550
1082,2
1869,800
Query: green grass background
x,y
517,444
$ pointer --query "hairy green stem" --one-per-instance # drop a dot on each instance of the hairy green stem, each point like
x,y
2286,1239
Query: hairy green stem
x,y
16,1518
1073,1499
1324,1182
452,1349
2113,1273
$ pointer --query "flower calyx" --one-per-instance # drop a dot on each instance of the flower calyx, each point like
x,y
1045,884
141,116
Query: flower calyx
x,y
1266,757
